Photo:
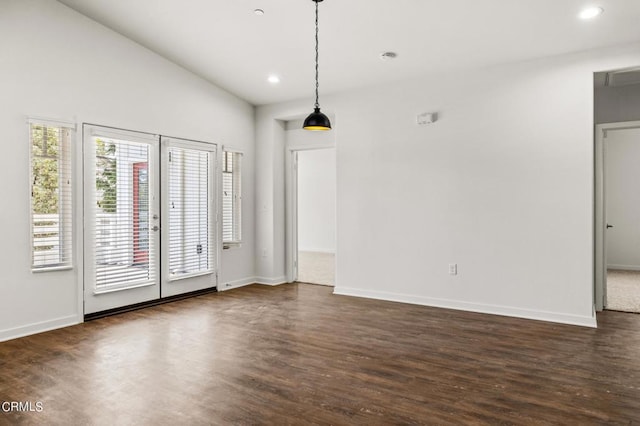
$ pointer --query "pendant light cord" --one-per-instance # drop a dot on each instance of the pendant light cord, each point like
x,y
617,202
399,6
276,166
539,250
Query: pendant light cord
x,y
317,83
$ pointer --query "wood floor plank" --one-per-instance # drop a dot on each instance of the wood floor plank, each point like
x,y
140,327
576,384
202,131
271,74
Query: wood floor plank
x,y
297,354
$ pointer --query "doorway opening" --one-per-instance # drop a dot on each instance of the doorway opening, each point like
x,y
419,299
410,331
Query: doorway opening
x,y
311,197
617,118
316,216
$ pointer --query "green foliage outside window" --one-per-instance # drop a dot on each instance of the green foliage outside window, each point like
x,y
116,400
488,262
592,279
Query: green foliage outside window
x,y
106,176
45,144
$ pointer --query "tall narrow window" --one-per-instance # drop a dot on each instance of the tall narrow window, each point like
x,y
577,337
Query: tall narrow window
x,y
231,199
51,191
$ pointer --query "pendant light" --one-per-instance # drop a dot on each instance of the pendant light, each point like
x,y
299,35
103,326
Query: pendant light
x,y
317,120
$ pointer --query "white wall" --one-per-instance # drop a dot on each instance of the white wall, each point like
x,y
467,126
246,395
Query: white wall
x,y
501,184
615,104
622,180
57,63
317,200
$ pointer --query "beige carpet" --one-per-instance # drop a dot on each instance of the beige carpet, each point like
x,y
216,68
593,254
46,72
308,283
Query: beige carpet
x,y
316,268
623,290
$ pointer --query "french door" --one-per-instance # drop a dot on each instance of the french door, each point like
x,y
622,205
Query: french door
x,y
189,249
149,217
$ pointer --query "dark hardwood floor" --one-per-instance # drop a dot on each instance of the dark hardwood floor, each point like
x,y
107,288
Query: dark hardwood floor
x,y
296,354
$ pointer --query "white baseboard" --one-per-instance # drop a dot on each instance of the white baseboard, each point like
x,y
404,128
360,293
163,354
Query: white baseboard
x,y
39,327
585,321
251,280
271,281
624,267
236,284
316,250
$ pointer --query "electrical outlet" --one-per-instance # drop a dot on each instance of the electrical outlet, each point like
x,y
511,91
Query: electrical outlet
x,y
453,269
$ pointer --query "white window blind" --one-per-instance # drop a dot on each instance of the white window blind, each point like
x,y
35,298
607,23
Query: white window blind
x,y
190,227
231,198
51,195
124,253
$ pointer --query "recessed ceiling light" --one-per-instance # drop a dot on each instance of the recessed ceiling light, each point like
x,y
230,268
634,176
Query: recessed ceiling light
x,y
259,12
590,12
273,79
385,56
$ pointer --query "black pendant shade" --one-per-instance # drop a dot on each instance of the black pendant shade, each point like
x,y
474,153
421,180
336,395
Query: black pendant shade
x,y
317,120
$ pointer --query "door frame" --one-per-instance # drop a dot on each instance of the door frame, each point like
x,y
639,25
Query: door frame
x,y
105,299
291,205
600,240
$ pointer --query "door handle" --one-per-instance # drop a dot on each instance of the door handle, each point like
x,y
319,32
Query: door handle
x,y
156,228
609,226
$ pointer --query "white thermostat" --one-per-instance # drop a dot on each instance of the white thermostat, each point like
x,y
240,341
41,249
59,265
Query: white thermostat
x,y
427,118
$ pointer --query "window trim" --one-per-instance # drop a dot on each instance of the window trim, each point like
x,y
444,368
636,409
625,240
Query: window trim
x,y
236,243
70,152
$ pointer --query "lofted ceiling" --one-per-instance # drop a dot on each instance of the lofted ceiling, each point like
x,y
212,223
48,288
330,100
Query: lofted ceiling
x,y
224,42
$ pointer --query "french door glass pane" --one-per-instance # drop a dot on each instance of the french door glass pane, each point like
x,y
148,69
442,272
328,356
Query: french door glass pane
x,y
189,217
123,249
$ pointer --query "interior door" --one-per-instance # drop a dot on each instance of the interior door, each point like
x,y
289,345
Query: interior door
x,y
607,173
291,211
189,216
294,212
622,210
121,214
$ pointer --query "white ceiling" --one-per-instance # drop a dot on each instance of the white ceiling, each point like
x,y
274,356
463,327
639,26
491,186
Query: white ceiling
x,y
227,44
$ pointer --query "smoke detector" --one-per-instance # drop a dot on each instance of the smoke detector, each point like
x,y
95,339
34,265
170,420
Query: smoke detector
x,y
387,56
